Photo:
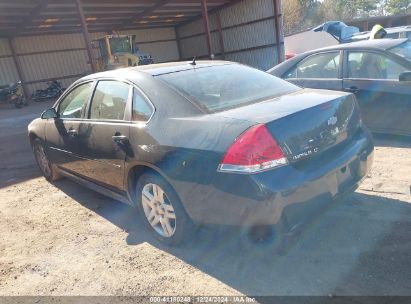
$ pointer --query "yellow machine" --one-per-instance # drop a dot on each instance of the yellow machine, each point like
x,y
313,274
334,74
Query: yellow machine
x,y
377,32
116,51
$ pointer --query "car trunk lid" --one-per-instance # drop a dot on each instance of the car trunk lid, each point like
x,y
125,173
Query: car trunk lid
x,y
306,122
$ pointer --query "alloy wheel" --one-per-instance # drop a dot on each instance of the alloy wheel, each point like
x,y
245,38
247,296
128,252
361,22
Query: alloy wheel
x,y
158,210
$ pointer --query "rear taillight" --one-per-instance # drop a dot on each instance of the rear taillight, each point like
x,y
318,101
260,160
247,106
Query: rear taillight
x,y
253,151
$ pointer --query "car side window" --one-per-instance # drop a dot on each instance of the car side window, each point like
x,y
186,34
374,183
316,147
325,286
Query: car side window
x,y
317,66
74,103
367,65
142,111
109,100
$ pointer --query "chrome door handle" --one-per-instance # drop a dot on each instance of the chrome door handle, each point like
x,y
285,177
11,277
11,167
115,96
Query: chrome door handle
x,y
120,138
72,132
352,89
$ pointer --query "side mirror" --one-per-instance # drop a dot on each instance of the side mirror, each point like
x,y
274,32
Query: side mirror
x,y
406,76
50,113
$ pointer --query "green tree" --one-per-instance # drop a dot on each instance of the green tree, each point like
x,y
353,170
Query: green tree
x,y
365,8
348,9
293,16
395,7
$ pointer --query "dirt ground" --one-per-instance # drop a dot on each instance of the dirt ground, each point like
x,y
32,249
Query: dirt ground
x,y
62,239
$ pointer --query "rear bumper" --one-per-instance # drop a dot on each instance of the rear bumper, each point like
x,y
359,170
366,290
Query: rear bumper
x,y
261,199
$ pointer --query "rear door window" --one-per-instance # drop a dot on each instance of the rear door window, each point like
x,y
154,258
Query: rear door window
x,y
109,100
367,65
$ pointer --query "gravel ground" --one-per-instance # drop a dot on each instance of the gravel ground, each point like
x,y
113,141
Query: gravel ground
x,y
62,239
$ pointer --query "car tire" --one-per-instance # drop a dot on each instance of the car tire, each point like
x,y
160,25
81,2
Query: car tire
x,y
47,168
164,215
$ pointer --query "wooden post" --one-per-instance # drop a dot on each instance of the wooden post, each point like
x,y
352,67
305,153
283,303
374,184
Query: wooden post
x,y
277,31
18,66
86,35
220,35
204,13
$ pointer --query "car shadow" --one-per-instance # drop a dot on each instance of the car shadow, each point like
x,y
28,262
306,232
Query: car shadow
x,y
357,246
395,141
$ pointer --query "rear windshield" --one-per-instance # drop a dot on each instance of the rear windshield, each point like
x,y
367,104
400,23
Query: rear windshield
x,y
404,50
222,87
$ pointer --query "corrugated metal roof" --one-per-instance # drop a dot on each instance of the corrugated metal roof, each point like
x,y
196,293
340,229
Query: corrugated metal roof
x,y
21,17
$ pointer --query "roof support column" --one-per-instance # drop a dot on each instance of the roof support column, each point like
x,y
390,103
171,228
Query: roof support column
x,y
86,34
204,13
18,66
277,30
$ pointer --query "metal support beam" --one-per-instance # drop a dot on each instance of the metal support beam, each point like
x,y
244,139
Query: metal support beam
x,y
86,35
277,30
220,35
18,66
204,14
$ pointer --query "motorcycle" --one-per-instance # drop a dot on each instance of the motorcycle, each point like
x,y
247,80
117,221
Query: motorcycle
x,y
54,90
13,94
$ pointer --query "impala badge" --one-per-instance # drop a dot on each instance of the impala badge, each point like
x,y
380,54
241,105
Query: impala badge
x,y
332,120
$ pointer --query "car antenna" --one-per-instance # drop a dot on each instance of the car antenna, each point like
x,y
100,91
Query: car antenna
x,y
193,62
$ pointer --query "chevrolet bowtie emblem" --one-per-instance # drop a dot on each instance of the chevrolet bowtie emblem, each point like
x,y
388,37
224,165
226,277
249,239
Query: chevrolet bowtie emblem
x,y
332,120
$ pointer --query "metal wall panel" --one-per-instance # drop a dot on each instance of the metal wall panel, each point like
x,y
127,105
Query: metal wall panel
x,y
152,34
8,72
4,47
250,35
28,44
262,59
65,63
197,46
215,43
247,27
53,65
161,51
194,46
245,11
196,27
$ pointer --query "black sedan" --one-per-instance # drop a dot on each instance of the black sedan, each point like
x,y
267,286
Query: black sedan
x,y
378,72
205,143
